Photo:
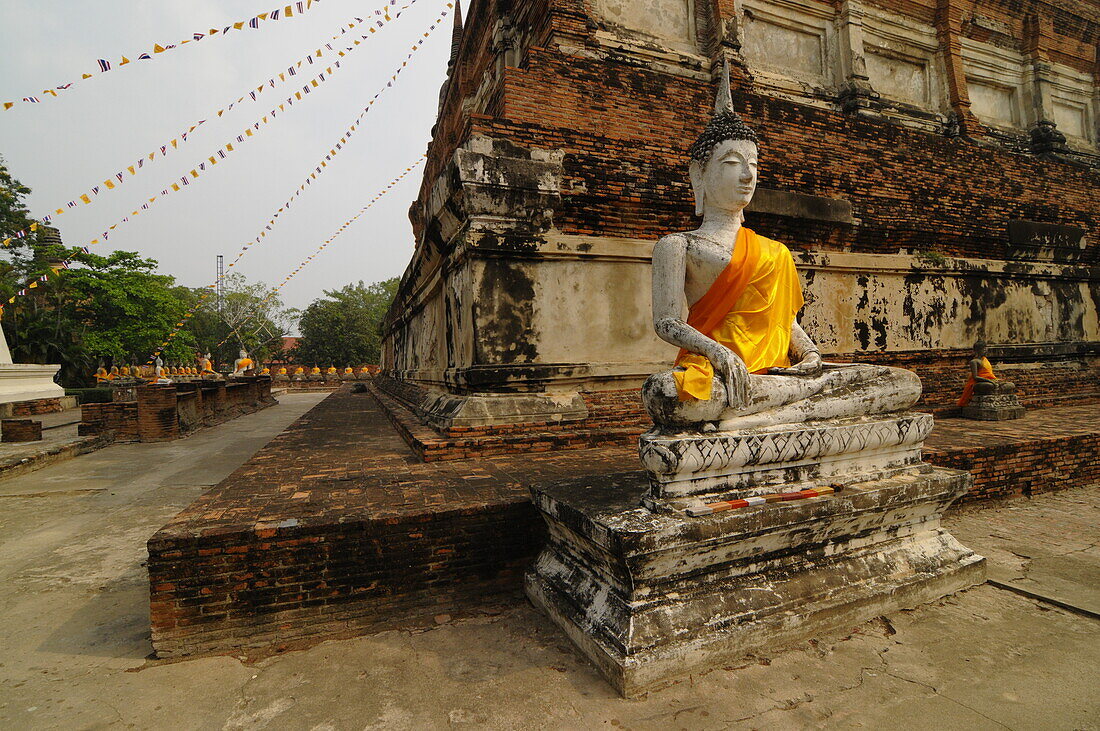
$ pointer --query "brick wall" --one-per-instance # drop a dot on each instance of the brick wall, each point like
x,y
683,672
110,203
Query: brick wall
x,y
168,411
287,584
158,420
36,407
119,417
1025,468
20,430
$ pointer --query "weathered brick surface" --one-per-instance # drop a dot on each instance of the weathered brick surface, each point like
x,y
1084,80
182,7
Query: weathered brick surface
x,y
36,407
20,430
336,527
1045,450
169,411
625,127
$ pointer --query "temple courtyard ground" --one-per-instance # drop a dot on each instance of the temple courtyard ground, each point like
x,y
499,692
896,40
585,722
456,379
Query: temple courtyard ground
x,y
1019,652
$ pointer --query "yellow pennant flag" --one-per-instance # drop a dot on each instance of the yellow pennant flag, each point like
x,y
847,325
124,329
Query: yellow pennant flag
x,y
131,170
175,186
213,160
109,184
175,144
248,132
34,226
239,25
229,147
157,48
84,197
33,285
262,16
194,174
124,61
298,95
288,12
87,76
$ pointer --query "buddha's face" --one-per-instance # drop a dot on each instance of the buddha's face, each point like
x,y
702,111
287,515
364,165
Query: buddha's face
x,y
728,180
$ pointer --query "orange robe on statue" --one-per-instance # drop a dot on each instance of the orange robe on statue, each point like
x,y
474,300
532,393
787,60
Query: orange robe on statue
x,y
749,309
985,370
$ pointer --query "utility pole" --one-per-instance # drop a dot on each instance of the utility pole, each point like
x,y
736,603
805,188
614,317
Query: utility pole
x,y
221,286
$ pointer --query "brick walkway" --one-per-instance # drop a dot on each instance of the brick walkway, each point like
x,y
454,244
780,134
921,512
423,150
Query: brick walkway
x,y
1061,422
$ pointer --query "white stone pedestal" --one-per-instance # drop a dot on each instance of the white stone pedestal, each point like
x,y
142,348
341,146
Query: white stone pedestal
x,y
652,594
28,382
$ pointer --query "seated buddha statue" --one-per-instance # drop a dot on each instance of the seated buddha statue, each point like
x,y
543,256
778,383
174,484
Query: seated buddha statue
x,y
982,380
265,371
315,374
744,361
362,374
242,364
101,375
348,374
113,374
124,372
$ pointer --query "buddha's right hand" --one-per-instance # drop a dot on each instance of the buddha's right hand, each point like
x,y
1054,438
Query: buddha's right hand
x,y
729,367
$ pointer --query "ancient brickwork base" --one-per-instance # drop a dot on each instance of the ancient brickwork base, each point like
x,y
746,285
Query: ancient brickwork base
x,y
166,412
336,527
20,430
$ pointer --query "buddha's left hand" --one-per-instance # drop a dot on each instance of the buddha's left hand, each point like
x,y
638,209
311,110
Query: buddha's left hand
x,y
808,366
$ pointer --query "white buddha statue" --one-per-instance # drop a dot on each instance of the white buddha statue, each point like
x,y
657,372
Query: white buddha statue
x,y
744,361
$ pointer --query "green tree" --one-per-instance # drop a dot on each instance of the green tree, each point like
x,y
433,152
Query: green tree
x,y
251,316
345,326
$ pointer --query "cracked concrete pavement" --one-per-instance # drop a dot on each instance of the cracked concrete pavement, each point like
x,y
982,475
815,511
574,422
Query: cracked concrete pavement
x,y
74,635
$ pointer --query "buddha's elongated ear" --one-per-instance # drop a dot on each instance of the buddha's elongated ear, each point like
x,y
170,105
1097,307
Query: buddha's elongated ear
x,y
695,172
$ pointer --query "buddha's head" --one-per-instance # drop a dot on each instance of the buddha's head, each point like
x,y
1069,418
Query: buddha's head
x,y
724,158
243,354
980,348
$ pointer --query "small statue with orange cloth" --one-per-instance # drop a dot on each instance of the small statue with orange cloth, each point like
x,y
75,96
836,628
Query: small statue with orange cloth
x,y
985,396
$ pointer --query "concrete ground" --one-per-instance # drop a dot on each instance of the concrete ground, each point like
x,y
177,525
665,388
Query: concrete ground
x,y
74,635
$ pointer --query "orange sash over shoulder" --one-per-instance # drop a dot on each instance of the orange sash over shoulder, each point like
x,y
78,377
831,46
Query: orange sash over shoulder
x,y
749,309
985,370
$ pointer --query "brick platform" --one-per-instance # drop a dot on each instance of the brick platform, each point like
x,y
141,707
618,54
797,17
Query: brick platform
x,y
336,527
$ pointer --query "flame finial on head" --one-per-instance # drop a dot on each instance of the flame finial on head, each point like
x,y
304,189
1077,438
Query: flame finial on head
x,y
724,125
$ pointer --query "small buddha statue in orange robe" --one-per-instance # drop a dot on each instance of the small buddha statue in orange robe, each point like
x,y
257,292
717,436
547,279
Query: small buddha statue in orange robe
x,y
101,375
982,380
243,364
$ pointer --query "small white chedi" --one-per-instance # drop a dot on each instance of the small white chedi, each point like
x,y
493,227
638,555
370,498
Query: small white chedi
x,y
782,496
25,381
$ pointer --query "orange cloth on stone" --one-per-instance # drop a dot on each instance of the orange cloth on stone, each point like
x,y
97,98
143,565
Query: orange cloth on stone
x,y
750,309
985,370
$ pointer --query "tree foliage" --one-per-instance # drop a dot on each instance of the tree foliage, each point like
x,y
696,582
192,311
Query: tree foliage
x,y
250,317
116,308
345,326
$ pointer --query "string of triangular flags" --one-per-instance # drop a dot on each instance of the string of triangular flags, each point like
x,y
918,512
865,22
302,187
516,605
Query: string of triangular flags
x,y
113,182
287,11
347,224
338,146
318,170
33,284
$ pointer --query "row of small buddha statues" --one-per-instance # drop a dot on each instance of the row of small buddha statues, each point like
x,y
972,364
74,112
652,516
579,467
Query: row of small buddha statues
x,y
329,375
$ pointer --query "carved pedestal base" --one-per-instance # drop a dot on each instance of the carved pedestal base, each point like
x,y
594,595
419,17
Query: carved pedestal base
x,y
687,468
653,597
993,407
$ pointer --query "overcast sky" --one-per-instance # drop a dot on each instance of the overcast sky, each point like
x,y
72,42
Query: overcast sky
x,y
63,146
